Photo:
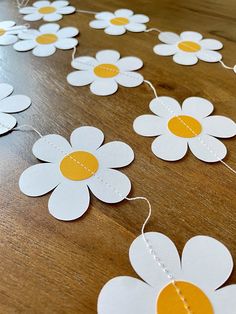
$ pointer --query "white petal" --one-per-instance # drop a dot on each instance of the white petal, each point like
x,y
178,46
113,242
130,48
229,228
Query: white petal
x,y
207,148
86,138
99,24
149,125
59,4
5,90
39,179
53,17
185,58
66,43
109,185
15,103
139,18
165,49
135,27
24,45
39,4
6,40
209,56
169,147
44,50
224,300
7,122
33,17
165,106
49,28
104,87
66,10
115,155
129,64
84,63
80,78
28,34
197,106
105,16
211,44
69,200
26,10
145,265
66,32
168,38
115,30
218,126
51,148
129,79
127,295
192,36
206,262
7,24
124,13
108,56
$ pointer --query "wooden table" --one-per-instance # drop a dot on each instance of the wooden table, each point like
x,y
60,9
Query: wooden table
x,y
49,266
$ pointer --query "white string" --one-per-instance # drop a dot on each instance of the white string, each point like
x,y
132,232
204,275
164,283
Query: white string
x,y
153,29
86,11
189,128
26,128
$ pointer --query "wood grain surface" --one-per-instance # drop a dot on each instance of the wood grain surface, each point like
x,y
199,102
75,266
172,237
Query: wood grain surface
x,y
49,266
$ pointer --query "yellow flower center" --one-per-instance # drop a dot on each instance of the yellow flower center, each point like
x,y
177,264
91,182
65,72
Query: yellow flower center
x,y
184,126
119,21
2,31
47,10
169,301
79,165
46,39
189,46
106,70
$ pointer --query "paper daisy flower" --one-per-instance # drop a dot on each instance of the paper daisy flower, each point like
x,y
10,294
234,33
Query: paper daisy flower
x,y
74,169
119,22
190,126
205,266
188,47
45,40
46,10
105,72
10,104
8,32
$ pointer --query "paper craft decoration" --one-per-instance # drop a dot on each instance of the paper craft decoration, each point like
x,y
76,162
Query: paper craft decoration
x,y
119,22
73,170
45,40
10,104
105,72
8,32
46,10
188,47
191,126
205,266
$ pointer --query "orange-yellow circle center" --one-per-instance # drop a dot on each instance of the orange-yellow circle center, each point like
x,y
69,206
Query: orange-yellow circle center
x,y
79,165
119,21
46,39
189,46
106,70
2,31
169,302
184,126
47,10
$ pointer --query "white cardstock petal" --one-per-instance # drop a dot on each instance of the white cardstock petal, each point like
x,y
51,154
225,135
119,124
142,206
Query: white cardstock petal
x,y
149,125
185,58
218,126
209,56
165,106
129,64
104,87
99,24
165,50
211,44
7,122
191,36
129,79
224,300
80,78
124,13
14,103
108,56
139,18
135,27
197,107
115,30
168,38
44,50
5,90
86,138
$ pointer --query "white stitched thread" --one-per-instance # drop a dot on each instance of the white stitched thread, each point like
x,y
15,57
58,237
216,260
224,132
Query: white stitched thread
x,y
153,29
86,11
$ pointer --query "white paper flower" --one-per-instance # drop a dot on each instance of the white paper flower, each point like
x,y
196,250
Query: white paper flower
x,y
188,47
205,266
178,128
8,32
119,22
73,170
10,104
45,40
46,10
105,72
